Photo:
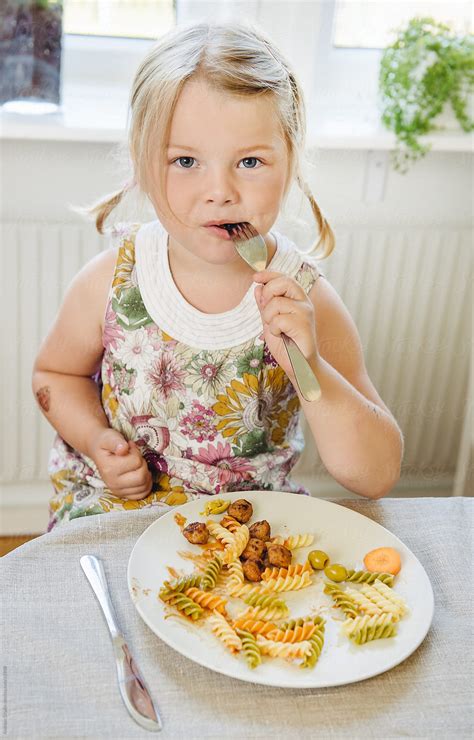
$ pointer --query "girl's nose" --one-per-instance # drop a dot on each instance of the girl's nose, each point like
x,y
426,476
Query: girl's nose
x,y
220,187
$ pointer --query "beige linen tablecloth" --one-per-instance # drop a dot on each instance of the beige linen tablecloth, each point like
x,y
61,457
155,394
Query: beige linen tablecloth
x,y
59,674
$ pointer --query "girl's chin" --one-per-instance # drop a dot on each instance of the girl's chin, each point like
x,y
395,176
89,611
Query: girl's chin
x,y
219,257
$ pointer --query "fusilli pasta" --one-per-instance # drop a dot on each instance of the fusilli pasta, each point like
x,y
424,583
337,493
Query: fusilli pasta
x,y
258,627
209,577
220,533
371,607
342,600
230,523
224,631
292,570
181,584
365,629
385,599
250,648
365,576
237,545
297,634
183,603
207,600
290,583
363,604
294,541
283,649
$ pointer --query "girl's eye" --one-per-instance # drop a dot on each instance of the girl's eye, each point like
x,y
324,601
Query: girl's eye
x,y
185,167
188,159
249,159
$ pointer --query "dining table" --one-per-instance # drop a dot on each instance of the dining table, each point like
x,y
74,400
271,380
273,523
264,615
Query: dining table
x,y
59,678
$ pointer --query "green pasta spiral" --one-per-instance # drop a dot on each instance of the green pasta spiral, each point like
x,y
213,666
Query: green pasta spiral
x,y
290,624
365,576
181,584
265,600
186,605
209,577
316,639
317,642
342,600
364,629
250,648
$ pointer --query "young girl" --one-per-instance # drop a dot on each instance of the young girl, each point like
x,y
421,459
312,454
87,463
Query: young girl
x,y
164,374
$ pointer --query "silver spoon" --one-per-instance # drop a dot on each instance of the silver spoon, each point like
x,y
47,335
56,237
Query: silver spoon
x,y
252,248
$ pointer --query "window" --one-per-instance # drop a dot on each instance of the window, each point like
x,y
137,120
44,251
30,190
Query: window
x,y
349,47
137,19
371,24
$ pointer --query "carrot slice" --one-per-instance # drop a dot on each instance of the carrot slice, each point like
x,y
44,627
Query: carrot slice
x,y
383,560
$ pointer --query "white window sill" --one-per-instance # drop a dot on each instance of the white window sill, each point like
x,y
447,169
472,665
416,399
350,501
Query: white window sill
x,y
90,114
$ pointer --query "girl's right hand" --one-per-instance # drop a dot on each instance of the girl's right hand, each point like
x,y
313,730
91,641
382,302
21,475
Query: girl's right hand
x,y
121,465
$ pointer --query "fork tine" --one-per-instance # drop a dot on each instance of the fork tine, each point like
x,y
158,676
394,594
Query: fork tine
x,y
236,232
249,231
243,231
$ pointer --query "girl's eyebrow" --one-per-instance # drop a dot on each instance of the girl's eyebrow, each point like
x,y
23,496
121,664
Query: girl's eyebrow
x,y
239,151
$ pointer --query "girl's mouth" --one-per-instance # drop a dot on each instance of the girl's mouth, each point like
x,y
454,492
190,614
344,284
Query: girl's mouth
x,y
222,231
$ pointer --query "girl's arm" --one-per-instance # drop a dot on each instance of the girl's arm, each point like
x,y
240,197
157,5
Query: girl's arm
x,y
68,396
356,434
71,353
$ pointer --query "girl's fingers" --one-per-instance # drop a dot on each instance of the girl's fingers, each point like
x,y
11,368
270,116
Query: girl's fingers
x,y
278,305
136,493
127,465
282,323
132,478
274,283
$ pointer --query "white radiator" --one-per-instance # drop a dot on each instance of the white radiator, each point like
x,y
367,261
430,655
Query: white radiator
x,y
408,292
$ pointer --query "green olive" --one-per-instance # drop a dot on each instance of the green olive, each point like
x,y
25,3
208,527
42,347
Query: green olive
x,y
318,559
336,572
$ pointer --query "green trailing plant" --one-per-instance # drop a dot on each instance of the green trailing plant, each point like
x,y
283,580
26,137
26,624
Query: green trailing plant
x,y
427,67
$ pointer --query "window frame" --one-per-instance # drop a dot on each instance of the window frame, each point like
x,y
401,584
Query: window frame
x,y
345,77
100,61
333,78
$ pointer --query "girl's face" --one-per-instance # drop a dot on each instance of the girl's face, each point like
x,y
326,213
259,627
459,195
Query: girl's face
x,y
226,160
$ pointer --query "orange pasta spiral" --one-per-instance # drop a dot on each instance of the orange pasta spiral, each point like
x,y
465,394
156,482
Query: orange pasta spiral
x,y
292,570
229,523
207,599
297,634
256,627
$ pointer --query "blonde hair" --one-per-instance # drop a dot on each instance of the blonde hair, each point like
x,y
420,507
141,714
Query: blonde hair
x,y
233,58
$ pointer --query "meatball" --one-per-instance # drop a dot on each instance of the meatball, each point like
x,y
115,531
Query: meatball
x,y
254,550
279,555
260,530
241,510
253,570
197,533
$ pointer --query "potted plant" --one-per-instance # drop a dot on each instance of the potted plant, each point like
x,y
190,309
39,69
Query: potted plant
x,y
30,53
427,67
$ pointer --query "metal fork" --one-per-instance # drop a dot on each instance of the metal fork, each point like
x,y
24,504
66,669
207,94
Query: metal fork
x,y
252,248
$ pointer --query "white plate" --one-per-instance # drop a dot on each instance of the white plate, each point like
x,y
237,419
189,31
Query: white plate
x,y
344,534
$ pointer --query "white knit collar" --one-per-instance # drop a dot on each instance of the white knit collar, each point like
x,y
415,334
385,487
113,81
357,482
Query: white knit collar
x,y
174,315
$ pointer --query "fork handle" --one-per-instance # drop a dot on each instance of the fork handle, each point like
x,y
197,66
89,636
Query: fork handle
x,y
304,375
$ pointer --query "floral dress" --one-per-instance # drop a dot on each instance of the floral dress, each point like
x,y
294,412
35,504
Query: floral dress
x,y
200,394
